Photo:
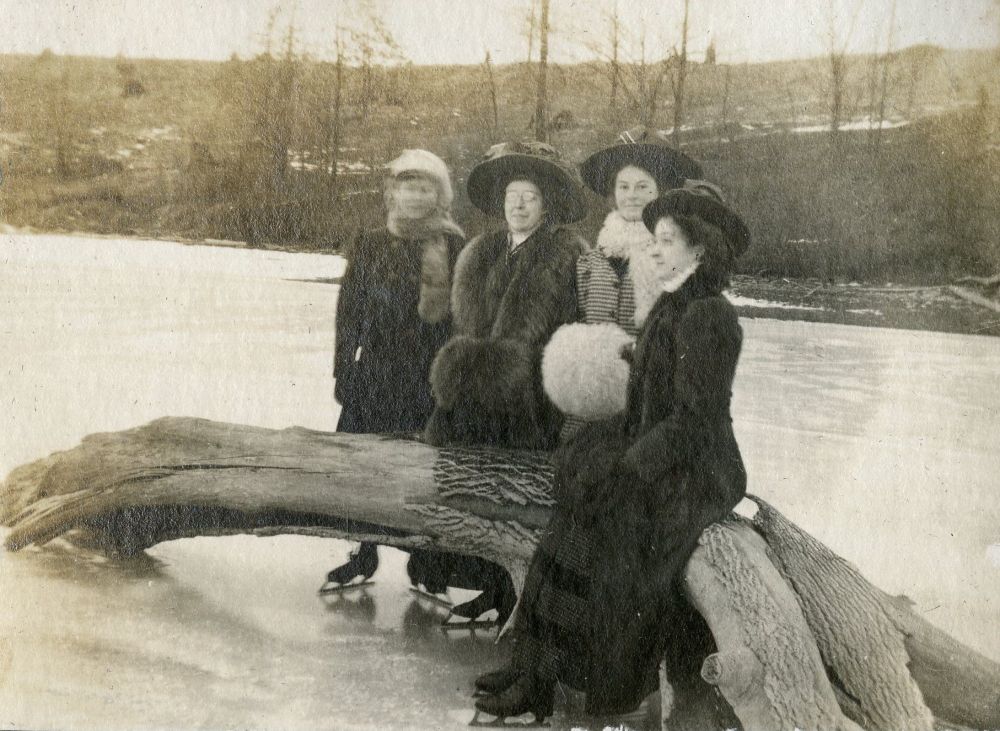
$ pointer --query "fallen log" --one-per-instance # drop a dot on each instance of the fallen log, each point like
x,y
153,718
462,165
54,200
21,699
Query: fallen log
x,y
803,641
975,298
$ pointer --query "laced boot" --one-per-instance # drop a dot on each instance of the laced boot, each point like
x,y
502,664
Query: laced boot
x,y
527,694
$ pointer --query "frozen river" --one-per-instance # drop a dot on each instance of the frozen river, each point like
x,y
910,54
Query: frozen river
x,y
882,443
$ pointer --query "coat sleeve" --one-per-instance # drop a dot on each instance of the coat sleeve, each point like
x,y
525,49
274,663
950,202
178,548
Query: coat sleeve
x,y
707,346
351,313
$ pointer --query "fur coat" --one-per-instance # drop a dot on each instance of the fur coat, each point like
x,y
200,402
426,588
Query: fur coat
x,y
486,381
646,483
385,340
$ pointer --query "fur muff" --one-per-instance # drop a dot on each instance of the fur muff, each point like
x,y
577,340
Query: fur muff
x,y
584,372
491,372
504,311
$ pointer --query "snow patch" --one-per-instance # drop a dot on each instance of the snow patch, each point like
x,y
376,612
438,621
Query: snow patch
x,y
855,126
739,301
993,554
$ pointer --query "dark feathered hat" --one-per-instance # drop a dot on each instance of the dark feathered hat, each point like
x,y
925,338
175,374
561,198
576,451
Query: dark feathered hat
x,y
535,161
646,149
702,200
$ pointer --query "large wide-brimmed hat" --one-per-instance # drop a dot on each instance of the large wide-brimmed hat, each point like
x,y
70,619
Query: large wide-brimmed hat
x,y
535,161
646,149
705,201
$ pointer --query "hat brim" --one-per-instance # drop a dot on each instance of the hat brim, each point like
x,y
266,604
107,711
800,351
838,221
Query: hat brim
x,y
562,194
686,203
669,167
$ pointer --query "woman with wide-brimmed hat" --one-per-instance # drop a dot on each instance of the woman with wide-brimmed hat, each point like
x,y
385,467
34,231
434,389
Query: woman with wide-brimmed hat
x,y
513,287
602,603
394,314
616,281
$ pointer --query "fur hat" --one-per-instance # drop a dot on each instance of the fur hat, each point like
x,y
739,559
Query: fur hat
x,y
583,371
424,163
646,149
701,199
535,161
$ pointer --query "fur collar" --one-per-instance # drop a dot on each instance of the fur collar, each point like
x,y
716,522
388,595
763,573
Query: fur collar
x,y
651,277
493,298
620,238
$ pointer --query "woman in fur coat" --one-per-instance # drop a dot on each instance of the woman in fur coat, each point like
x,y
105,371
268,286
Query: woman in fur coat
x,y
634,492
613,296
513,287
394,313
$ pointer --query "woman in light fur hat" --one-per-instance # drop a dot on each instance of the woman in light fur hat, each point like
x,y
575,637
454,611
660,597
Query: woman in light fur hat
x,y
394,314
617,281
602,603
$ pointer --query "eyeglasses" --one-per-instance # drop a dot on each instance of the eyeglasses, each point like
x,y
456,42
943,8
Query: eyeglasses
x,y
521,196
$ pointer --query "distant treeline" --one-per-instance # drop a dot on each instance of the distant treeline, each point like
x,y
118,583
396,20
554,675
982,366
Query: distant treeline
x,y
284,150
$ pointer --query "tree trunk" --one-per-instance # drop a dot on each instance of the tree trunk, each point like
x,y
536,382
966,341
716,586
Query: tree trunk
x,y
541,100
802,639
681,77
488,63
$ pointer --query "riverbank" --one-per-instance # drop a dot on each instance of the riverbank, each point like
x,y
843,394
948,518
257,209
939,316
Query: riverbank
x,y
933,307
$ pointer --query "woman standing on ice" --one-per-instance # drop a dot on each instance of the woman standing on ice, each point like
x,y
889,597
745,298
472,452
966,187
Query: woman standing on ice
x,y
393,315
634,492
513,288
610,289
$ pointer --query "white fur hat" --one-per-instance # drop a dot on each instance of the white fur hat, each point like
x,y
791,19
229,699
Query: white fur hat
x,y
425,163
583,372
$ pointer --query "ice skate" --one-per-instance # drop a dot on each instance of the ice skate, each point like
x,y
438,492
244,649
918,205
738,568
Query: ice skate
x,y
440,599
496,681
499,722
527,694
362,563
502,601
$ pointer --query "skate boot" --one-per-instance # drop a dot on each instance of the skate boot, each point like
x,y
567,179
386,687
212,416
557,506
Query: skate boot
x,y
527,694
496,681
363,562
499,596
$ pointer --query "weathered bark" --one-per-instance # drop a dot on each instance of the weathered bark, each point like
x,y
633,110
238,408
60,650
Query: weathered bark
x,y
768,666
799,631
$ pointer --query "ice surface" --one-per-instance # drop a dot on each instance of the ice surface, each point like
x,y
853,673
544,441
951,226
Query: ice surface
x,y
882,443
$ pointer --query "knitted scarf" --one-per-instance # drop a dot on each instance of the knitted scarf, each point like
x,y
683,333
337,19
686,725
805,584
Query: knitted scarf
x,y
435,275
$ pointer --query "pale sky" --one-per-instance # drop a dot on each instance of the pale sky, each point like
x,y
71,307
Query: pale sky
x,y
460,31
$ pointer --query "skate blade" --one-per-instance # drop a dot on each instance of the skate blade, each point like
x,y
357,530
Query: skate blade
x,y
433,598
503,722
471,625
326,590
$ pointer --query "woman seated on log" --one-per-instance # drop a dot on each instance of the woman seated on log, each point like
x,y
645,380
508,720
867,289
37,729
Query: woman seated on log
x,y
635,491
613,295
393,315
513,287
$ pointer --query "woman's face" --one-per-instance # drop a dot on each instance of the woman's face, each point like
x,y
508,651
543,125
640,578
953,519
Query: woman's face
x,y
673,246
634,188
523,206
416,196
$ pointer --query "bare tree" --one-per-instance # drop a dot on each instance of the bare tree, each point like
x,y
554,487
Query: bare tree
x,y
491,80
837,38
531,28
541,98
678,82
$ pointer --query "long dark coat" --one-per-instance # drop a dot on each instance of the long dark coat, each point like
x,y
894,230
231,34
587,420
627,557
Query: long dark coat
x,y
634,493
487,379
383,350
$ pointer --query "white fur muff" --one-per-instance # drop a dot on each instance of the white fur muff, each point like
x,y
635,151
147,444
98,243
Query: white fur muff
x,y
583,371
